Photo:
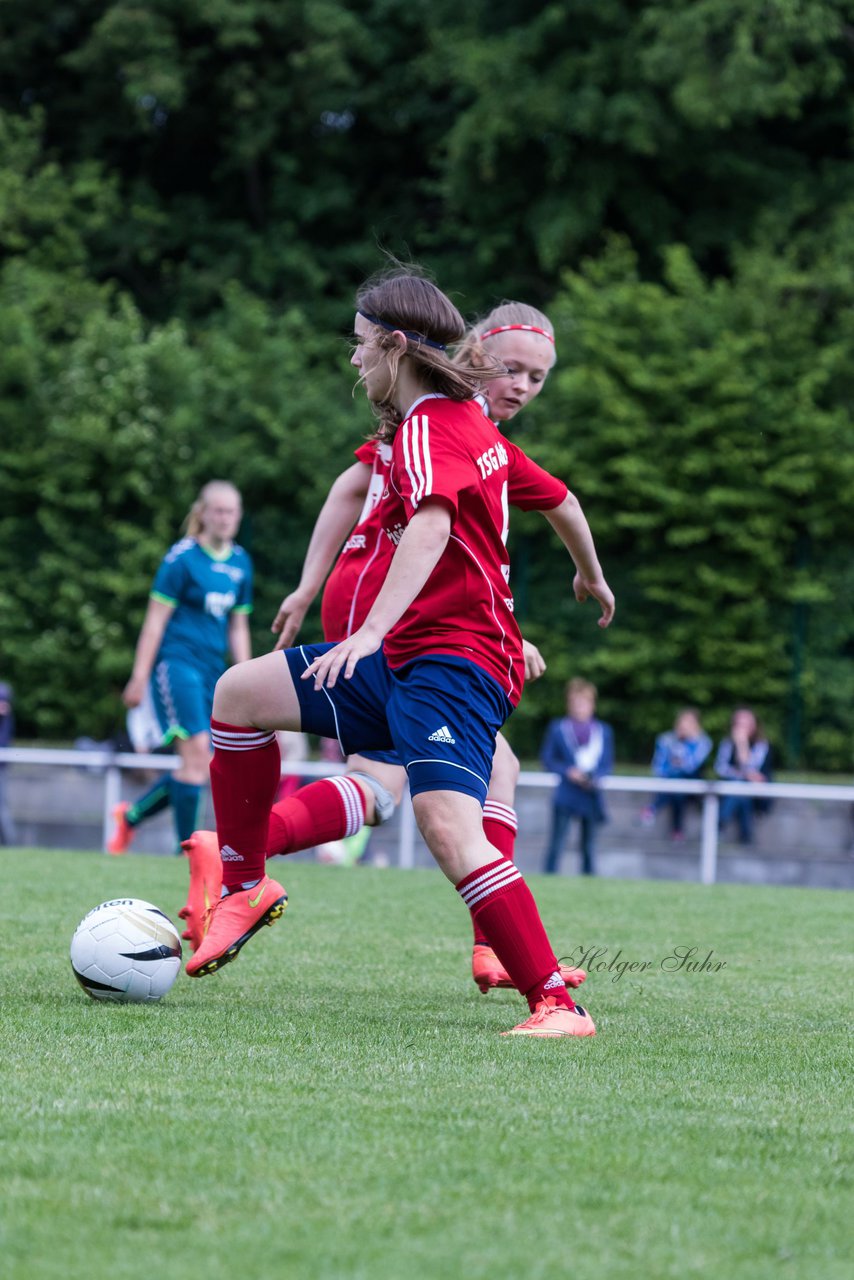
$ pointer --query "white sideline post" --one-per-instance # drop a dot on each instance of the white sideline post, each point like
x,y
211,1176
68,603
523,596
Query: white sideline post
x,y
709,838
112,796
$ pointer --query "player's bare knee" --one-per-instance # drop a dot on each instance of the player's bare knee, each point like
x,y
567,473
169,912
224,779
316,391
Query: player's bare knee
x,y
229,696
380,803
258,692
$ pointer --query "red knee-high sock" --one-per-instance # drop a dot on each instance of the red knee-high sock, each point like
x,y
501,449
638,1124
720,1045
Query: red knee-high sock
x,y
504,907
244,776
326,810
499,827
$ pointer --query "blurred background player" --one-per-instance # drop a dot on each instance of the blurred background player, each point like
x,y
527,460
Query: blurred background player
x,y
197,610
440,644
580,750
521,338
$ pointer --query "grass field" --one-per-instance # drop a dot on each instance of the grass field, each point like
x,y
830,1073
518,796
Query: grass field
x,y
339,1104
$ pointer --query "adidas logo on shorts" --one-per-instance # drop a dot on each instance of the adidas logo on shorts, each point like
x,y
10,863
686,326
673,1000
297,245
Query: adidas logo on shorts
x,y
442,735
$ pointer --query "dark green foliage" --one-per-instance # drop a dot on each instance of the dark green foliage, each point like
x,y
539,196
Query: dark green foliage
x,y
122,435
705,429
189,194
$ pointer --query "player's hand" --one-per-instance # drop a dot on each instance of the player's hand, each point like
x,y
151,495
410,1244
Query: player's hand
x,y
289,619
535,663
599,590
326,669
134,691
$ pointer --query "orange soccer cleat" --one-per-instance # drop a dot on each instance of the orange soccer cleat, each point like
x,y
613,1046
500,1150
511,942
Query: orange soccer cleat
x,y
572,977
232,921
202,849
488,971
120,840
551,1020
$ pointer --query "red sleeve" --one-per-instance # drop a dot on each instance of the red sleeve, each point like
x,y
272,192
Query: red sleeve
x,y
530,488
366,452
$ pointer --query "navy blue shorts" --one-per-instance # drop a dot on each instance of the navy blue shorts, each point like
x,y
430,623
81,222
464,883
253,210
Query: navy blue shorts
x,y
440,714
383,757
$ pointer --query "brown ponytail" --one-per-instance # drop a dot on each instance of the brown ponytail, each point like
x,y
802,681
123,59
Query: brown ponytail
x,y
406,301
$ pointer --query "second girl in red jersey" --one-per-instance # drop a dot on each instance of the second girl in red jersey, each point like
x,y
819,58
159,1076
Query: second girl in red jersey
x,y
522,339
439,643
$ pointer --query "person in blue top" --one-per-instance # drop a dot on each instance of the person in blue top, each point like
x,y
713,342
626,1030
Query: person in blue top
x,y
680,753
580,750
197,609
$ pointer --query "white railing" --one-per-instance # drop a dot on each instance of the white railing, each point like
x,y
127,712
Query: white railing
x,y
113,763
710,793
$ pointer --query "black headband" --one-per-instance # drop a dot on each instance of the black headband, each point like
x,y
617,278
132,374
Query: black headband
x,y
395,328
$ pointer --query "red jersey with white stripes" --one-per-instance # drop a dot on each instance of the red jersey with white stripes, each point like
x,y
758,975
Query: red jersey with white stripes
x,y
362,565
449,451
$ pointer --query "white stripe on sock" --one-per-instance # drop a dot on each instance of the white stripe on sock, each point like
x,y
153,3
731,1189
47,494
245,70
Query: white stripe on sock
x,y
227,741
488,874
353,811
485,893
485,885
501,813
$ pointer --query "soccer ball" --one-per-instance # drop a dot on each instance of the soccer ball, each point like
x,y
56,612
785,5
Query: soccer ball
x,y
127,951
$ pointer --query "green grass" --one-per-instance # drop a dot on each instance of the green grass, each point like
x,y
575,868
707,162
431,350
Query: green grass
x,y
339,1103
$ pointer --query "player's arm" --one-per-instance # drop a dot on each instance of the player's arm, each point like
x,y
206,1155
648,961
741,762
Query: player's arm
x,y
418,552
239,638
154,623
337,516
570,525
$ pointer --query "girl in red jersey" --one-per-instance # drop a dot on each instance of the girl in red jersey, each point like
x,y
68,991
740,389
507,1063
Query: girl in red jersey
x,y
438,644
522,339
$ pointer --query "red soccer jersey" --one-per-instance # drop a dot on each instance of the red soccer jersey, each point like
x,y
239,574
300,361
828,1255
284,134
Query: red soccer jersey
x,y
360,569
450,450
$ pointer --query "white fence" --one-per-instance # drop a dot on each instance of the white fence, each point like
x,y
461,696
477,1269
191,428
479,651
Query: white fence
x,y
709,792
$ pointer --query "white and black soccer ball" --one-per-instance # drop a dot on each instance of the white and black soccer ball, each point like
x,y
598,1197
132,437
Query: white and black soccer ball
x,y
127,951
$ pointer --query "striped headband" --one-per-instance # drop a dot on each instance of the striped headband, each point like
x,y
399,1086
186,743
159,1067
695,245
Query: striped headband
x,y
528,328
395,328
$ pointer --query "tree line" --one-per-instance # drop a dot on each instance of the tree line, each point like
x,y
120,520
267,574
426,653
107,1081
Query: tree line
x,y
189,195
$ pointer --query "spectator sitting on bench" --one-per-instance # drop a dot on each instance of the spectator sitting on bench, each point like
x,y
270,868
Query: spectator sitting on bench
x,y
679,753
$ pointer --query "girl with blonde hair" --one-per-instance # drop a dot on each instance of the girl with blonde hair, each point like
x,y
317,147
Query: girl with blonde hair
x,y
197,608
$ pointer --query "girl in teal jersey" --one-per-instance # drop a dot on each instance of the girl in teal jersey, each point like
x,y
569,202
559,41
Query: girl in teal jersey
x,y
198,608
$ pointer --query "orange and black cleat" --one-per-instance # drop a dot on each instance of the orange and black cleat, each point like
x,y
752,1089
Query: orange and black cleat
x,y
232,921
